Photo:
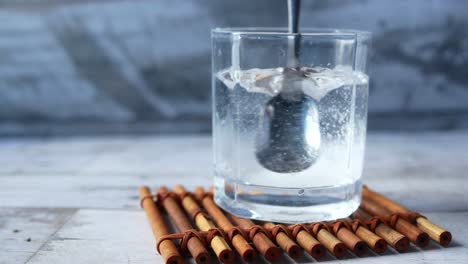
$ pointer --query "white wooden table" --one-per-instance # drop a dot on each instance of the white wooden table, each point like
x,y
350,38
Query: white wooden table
x,y
74,200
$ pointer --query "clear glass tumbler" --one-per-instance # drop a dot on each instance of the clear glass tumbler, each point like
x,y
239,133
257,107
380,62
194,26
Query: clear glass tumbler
x,y
289,137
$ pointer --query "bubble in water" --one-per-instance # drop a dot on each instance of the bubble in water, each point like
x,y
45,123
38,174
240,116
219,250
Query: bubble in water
x,y
300,192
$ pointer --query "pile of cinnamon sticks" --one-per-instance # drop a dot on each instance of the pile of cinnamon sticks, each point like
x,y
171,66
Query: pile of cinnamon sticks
x,y
204,228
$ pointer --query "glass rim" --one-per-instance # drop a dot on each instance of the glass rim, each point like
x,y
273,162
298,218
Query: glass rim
x,y
283,31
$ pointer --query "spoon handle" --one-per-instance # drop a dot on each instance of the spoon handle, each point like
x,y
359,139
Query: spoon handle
x,y
294,6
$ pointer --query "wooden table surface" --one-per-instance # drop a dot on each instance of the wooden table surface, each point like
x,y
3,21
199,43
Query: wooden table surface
x,y
74,200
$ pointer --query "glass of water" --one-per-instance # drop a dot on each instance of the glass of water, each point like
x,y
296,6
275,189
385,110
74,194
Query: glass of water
x,y
289,122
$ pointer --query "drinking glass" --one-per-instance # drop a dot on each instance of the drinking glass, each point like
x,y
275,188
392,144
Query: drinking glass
x,y
289,122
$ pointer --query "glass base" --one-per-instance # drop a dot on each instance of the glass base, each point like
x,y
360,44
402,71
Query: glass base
x,y
287,205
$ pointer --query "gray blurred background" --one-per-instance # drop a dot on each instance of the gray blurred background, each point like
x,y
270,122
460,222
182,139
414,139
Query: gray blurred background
x,y
73,67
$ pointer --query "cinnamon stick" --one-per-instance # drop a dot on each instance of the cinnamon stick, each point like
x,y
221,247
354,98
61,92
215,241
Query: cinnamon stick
x,y
437,233
332,243
418,237
238,241
391,236
167,248
307,241
218,244
260,240
351,241
194,244
283,240
376,243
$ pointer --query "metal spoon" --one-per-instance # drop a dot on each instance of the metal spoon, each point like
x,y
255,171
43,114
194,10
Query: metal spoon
x,y
289,135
